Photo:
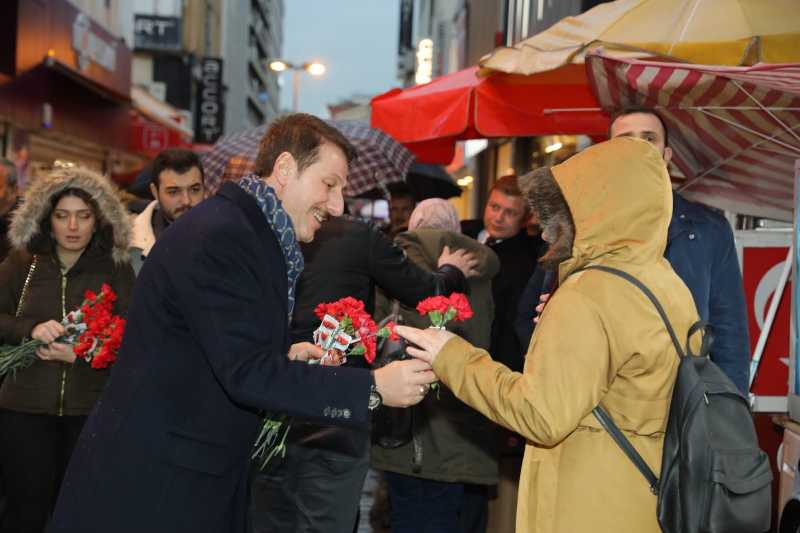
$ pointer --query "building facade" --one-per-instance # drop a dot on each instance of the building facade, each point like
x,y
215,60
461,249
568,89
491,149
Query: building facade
x,y
65,79
207,59
439,37
252,34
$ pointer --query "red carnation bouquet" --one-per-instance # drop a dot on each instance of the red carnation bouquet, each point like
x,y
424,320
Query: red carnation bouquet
x,y
442,309
345,329
92,329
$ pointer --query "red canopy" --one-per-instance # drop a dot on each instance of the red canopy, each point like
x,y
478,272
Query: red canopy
x,y
430,118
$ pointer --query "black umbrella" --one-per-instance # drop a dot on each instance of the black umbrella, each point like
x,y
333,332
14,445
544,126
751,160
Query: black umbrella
x,y
431,181
141,183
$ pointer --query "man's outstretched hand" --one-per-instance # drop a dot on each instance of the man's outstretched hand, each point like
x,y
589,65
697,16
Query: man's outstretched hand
x,y
303,351
404,383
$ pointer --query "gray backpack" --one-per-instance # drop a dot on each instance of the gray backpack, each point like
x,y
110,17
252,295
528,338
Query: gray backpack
x,y
714,478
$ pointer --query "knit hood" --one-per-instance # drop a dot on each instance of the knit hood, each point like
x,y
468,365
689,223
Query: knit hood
x,y
27,218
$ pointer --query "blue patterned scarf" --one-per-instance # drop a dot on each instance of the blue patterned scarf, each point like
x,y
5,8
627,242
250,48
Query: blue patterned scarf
x,y
281,225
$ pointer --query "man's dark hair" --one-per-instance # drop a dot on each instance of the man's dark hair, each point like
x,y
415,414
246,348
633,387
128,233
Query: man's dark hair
x,y
400,190
301,135
508,185
634,109
177,160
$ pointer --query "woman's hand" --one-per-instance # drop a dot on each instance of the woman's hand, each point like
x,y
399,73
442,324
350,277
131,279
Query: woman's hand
x,y
303,351
429,341
56,351
461,259
540,308
47,332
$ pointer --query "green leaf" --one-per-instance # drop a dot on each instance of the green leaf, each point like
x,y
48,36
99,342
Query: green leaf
x,y
358,350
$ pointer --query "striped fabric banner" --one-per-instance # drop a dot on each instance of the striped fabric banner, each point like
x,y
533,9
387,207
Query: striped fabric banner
x,y
734,131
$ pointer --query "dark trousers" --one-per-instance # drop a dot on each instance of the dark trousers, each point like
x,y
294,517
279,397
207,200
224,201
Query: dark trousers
x,y
474,509
34,452
423,505
309,490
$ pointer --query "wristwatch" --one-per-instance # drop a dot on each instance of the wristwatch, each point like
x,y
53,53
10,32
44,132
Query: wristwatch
x,y
375,398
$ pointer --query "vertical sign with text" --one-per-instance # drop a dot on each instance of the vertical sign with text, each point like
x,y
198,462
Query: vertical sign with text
x,y
210,112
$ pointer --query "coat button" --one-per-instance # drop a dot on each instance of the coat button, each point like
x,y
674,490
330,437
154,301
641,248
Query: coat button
x,y
681,216
691,236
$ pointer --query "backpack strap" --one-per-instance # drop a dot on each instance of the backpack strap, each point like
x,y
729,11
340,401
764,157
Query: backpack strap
x,y
647,292
625,445
601,415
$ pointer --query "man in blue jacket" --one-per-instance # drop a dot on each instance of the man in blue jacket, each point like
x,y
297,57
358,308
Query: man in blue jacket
x,y
167,448
702,252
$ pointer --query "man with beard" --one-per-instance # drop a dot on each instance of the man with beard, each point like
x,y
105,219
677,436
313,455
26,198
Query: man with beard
x,y
177,187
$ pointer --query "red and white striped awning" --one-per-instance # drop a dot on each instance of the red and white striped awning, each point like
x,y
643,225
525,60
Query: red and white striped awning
x,y
734,131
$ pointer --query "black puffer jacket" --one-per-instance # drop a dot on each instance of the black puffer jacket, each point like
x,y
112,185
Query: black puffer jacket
x,y
51,387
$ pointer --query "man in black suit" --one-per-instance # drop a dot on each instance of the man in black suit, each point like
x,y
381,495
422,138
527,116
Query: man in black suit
x,y
317,486
167,448
503,230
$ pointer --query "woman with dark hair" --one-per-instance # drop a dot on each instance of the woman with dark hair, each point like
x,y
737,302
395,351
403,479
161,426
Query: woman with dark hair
x,y
70,234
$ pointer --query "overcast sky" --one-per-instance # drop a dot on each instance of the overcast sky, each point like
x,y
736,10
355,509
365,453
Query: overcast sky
x,y
355,39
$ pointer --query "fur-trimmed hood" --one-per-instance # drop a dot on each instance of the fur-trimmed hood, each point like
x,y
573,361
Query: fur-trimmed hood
x,y
25,222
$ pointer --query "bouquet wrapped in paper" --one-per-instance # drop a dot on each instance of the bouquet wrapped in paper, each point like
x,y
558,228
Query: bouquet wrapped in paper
x,y
93,330
346,329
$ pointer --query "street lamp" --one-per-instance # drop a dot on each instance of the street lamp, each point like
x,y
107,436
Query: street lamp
x,y
315,68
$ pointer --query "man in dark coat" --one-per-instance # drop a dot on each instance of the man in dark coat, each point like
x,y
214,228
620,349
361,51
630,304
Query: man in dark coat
x,y
167,448
503,230
316,487
701,249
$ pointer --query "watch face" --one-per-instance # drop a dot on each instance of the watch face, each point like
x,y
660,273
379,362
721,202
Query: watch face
x,y
374,400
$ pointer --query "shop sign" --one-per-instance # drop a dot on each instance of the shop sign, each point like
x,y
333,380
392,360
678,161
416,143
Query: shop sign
x,y
424,72
154,137
210,111
761,270
154,32
90,46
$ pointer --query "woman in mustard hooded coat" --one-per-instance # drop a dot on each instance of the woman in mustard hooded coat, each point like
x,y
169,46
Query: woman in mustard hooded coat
x,y
599,341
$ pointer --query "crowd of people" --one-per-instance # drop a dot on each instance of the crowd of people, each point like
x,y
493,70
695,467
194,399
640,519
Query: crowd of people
x,y
219,293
